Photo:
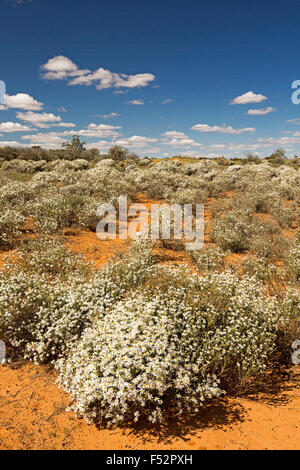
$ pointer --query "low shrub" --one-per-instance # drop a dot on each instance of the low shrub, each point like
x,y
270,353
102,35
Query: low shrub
x,y
209,259
167,352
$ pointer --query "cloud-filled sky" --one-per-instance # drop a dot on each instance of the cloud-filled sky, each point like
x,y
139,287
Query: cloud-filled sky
x,y
161,78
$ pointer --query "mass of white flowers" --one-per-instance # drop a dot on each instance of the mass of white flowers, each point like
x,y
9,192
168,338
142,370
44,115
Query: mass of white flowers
x,y
169,350
135,339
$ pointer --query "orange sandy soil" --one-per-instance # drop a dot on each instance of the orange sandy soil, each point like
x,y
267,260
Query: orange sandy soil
x,y
33,416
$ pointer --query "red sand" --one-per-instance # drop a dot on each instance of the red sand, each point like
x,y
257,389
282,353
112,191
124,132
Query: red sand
x,y
33,416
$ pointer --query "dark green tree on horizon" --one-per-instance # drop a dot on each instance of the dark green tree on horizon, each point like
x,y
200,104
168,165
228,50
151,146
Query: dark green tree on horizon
x,y
75,144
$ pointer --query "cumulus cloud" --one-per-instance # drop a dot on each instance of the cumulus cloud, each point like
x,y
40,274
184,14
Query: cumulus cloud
x,y
177,138
62,68
58,64
64,124
174,134
109,115
46,140
217,146
261,112
294,121
38,119
135,141
137,102
98,130
249,97
11,143
43,120
13,127
222,129
22,101
100,145
281,142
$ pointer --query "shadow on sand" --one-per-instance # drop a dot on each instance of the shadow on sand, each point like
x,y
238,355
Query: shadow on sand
x,y
272,388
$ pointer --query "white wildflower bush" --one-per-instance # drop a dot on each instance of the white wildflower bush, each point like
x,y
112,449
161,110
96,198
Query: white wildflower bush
x,y
51,213
168,351
292,263
289,324
11,222
134,339
233,231
47,256
261,268
23,166
65,165
209,258
42,316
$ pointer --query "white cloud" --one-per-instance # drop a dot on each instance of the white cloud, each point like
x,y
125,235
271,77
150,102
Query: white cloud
x,y
138,102
11,143
46,140
168,100
22,101
38,119
217,146
98,130
261,112
109,115
242,147
135,141
248,97
61,68
64,124
177,138
294,121
103,79
175,134
120,92
222,129
13,127
59,63
43,120
182,142
281,142
101,145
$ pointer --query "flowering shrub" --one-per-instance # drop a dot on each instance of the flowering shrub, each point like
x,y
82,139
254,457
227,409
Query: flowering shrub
x,y
292,263
233,231
260,268
49,257
42,316
10,223
169,351
209,258
133,338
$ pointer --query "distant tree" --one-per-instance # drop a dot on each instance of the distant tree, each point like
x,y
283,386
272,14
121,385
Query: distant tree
x,y
278,157
118,154
75,144
252,158
279,153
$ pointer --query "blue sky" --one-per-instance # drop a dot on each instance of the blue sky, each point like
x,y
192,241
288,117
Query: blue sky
x,y
198,78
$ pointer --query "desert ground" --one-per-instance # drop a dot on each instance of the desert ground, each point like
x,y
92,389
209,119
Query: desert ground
x,y
261,411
